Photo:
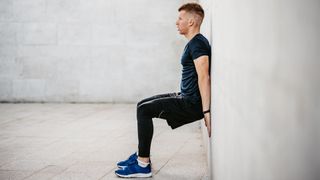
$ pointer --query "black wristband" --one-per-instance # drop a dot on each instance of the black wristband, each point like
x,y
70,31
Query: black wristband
x,y
207,111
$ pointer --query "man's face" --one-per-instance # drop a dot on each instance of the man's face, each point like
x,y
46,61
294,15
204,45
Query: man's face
x,y
182,22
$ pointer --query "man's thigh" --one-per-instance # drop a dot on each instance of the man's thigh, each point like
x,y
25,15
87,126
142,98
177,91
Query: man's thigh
x,y
178,111
157,97
176,107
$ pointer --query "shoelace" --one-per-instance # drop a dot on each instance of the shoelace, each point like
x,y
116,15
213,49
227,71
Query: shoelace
x,y
132,162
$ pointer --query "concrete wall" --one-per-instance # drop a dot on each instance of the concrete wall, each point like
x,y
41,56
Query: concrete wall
x,y
265,86
88,51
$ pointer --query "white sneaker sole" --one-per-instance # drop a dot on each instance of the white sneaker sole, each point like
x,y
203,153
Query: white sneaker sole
x,y
122,167
139,175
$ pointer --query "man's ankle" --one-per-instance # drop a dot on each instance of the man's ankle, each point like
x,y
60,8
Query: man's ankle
x,y
144,159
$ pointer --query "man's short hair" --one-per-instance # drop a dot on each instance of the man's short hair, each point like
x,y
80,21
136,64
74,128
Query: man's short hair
x,y
193,8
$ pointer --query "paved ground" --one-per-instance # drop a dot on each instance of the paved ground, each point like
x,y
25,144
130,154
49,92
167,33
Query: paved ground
x,y
84,141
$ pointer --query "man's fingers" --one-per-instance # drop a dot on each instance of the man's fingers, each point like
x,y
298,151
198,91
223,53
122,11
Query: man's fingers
x,y
208,125
209,129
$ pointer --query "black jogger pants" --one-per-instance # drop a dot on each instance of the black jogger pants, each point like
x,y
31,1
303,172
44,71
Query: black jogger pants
x,y
173,107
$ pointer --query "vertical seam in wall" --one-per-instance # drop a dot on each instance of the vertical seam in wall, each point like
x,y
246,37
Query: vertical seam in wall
x,y
209,153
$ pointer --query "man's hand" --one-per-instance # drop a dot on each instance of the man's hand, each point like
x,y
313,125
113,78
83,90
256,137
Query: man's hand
x,y
207,121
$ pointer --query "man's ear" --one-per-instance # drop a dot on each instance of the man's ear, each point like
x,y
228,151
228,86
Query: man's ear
x,y
191,21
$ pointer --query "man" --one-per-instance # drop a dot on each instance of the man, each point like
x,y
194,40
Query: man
x,y
189,105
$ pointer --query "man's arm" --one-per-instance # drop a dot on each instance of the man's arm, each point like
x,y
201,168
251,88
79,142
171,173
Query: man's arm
x,y
202,68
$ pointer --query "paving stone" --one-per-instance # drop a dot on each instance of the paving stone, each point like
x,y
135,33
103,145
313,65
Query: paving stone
x,y
13,175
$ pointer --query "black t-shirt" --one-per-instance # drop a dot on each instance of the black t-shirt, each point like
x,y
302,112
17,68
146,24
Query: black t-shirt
x,y
196,47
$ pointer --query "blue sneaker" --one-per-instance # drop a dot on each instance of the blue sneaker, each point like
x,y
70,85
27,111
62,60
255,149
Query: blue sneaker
x,y
134,170
125,163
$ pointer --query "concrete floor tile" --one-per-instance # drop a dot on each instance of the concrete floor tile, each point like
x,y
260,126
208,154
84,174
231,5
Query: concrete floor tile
x,y
41,176
46,173
75,176
24,165
85,170
13,175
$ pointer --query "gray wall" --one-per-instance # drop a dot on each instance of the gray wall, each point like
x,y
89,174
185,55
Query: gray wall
x,y
265,86
88,51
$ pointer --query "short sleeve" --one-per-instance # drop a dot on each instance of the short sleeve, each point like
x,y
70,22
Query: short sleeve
x,y
198,48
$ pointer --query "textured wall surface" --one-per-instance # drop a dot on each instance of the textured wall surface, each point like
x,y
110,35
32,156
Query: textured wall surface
x,y
88,51
265,86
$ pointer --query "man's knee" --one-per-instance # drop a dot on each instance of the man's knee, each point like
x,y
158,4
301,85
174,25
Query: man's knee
x,y
138,104
146,109
141,102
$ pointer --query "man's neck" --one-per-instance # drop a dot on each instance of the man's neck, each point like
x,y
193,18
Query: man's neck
x,y
192,33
